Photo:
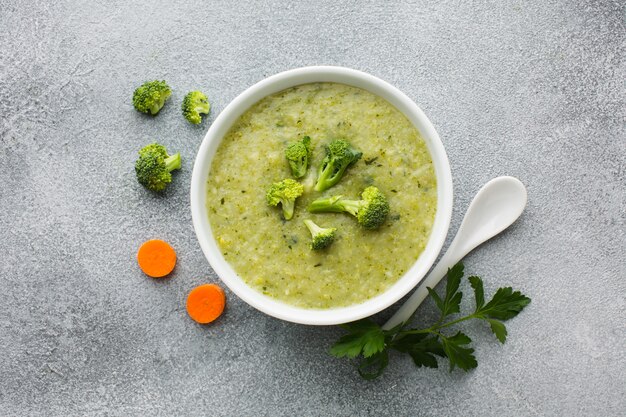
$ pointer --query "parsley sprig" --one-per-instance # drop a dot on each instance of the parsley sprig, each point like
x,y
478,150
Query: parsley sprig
x,y
370,344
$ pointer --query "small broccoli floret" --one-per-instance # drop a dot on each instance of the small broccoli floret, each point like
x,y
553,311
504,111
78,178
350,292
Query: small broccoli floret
x,y
321,237
339,156
285,193
370,212
298,155
151,96
154,166
193,105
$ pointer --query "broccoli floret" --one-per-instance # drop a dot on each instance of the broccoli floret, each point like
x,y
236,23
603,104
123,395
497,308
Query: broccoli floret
x,y
154,166
370,212
151,96
285,193
194,103
339,156
321,237
298,155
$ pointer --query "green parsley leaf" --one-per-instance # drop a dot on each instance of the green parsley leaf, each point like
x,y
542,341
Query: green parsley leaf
x,y
423,352
365,338
452,302
499,329
436,298
454,279
504,305
422,358
407,342
404,342
373,366
479,292
457,354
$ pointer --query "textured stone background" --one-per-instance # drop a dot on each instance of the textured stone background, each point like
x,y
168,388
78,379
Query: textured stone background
x,y
531,89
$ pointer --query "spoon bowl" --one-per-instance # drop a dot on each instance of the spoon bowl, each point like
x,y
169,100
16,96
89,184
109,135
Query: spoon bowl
x,y
494,208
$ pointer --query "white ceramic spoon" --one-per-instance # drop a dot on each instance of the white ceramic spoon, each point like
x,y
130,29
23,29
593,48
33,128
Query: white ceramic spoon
x,y
494,208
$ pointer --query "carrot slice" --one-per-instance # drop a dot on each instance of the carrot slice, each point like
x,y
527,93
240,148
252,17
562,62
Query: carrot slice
x,y
205,303
156,258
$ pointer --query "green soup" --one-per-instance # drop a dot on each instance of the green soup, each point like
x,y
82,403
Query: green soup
x,y
272,255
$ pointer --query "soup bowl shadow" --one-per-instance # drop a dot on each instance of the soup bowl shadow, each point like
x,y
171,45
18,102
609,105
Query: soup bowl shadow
x,y
280,82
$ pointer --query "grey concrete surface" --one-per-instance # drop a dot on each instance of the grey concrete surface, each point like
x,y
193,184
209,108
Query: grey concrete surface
x,y
533,89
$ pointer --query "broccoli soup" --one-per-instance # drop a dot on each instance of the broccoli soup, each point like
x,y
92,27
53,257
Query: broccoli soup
x,y
274,255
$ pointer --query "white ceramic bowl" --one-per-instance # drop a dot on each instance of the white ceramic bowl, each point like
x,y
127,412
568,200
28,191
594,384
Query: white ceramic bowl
x,y
279,82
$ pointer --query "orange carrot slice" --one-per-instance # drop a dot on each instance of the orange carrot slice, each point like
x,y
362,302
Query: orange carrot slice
x,y
156,258
205,303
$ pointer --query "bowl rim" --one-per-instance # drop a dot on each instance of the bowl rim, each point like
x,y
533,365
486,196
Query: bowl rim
x,y
279,82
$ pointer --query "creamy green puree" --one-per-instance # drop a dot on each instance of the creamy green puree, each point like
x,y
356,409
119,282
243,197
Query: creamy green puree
x,y
273,255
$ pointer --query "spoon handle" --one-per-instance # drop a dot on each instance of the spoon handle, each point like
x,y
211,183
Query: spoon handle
x,y
448,260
